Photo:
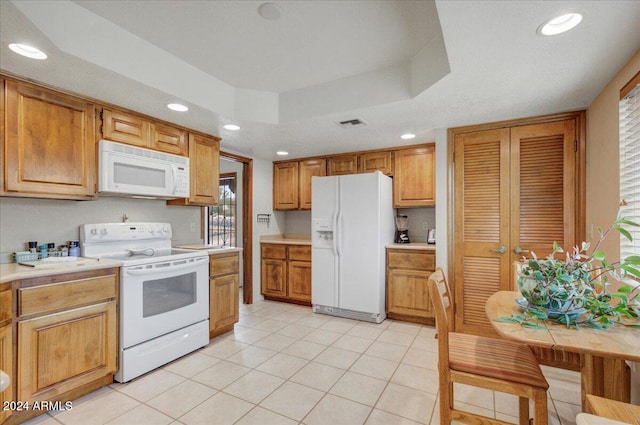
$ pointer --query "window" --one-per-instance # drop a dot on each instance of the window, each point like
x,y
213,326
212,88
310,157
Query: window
x,y
220,222
630,161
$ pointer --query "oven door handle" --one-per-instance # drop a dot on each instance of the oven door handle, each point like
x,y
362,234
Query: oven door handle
x,y
191,264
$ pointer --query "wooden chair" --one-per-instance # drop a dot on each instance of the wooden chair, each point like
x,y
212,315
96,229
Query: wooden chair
x,y
615,410
490,363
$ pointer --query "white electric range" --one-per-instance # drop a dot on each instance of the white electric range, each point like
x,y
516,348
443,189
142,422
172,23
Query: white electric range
x,y
164,293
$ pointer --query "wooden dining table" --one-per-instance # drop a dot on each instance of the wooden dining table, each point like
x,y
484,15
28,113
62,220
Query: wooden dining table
x,y
603,352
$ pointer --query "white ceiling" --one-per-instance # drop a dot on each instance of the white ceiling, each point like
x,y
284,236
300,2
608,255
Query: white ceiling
x,y
401,66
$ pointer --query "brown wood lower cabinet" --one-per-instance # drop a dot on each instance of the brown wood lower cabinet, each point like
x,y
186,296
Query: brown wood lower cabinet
x,y
407,295
286,273
224,292
6,347
66,336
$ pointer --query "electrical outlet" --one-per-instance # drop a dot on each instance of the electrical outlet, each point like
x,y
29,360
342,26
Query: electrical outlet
x,y
425,225
193,227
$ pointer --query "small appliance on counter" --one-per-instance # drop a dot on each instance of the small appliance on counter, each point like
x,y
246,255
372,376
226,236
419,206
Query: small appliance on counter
x,y
402,226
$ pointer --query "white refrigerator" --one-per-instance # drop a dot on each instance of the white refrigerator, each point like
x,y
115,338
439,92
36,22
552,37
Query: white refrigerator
x,y
352,222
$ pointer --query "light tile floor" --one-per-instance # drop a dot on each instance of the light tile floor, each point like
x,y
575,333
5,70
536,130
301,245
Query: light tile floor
x,y
284,364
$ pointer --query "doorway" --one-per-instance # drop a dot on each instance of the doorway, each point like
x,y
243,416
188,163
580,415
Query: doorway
x,y
244,213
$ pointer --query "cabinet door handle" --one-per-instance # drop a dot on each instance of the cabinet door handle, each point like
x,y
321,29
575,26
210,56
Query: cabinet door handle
x,y
500,250
519,250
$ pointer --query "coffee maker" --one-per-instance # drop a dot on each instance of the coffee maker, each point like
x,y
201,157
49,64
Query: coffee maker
x,y
402,226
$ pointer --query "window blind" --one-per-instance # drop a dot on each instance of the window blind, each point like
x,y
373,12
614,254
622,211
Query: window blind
x,y
630,162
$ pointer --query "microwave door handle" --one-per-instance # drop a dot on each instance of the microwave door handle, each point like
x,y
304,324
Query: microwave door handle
x,y
174,178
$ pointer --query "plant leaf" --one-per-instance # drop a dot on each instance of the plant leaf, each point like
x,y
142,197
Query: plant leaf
x,y
626,289
624,232
627,222
506,320
632,259
599,255
631,270
533,325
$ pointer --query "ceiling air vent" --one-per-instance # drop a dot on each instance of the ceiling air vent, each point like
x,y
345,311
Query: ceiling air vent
x,y
352,123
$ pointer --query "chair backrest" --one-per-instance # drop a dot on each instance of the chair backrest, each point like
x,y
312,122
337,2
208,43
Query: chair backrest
x,y
440,295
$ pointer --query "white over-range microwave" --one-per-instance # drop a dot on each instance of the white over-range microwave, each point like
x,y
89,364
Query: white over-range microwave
x,y
131,171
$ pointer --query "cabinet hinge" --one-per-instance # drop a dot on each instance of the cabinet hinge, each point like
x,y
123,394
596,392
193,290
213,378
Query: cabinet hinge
x,y
102,114
101,129
575,146
454,157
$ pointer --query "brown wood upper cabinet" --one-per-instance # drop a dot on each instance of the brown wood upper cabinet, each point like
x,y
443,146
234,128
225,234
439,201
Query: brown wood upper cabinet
x,y
168,139
308,169
133,129
367,162
204,169
292,183
285,186
376,161
413,171
49,143
414,182
341,165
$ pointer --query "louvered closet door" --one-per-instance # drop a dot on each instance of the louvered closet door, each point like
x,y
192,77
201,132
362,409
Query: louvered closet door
x,y
482,167
543,188
515,193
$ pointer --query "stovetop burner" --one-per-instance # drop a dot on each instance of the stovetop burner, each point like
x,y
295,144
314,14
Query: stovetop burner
x,y
132,243
140,254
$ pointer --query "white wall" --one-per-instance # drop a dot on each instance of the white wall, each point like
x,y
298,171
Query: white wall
x,y
603,191
58,221
229,166
262,204
442,229
299,222
417,217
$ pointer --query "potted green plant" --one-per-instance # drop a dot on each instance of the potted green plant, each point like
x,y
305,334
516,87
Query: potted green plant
x,y
575,290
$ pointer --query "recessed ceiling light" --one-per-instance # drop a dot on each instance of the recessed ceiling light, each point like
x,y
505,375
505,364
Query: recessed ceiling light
x,y
177,107
408,136
269,11
231,127
559,24
28,51
282,153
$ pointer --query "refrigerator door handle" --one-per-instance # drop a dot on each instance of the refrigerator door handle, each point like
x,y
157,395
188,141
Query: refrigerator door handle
x,y
337,234
333,234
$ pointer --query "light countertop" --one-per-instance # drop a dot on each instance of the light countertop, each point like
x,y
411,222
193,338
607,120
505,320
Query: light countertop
x,y
210,249
289,239
413,245
14,271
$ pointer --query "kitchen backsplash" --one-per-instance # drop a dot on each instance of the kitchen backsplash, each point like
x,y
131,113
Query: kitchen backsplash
x,y
299,222
417,217
58,221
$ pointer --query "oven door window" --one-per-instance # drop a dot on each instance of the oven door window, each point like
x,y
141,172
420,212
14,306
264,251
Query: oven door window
x,y
167,294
